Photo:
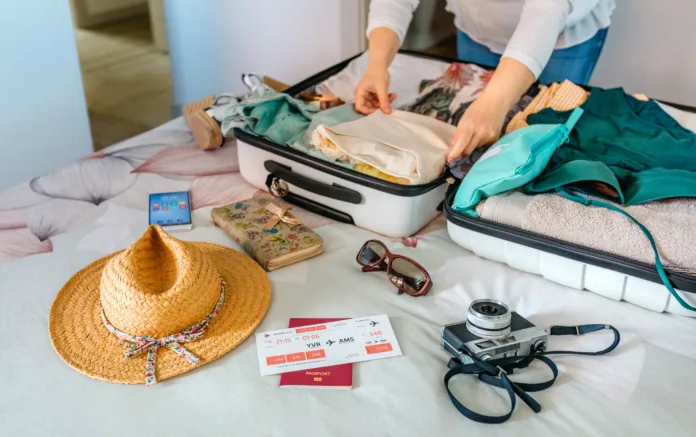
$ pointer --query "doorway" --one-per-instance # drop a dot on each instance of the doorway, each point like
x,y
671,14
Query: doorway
x,y
125,66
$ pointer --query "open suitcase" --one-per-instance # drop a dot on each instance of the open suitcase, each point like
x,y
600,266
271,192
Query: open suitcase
x,y
398,210
390,209
573,265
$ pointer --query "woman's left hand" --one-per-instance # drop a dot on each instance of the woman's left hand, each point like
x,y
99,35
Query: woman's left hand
x,y
479,126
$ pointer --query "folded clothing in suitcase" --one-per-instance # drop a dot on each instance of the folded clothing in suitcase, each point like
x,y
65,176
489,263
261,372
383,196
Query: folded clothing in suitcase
x,y
363,192
571,264
527,219
378,140
359,191
425,85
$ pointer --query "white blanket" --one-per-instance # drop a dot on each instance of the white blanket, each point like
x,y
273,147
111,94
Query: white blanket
x,y
645,388
401,144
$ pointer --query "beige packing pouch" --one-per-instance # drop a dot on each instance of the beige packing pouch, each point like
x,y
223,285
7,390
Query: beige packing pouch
x,y
401,144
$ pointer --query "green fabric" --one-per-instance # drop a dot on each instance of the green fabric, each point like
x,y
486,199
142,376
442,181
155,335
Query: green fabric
x,y
327,117
575,172
267,113
281,119
624,143
513,161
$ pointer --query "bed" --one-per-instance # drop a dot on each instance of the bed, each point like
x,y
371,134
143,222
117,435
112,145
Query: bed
x,y
56,224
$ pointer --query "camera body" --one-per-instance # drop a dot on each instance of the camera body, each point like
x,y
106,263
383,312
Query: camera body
x,y
491,332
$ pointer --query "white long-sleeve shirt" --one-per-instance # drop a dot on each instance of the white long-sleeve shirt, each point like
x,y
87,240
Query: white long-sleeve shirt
x,y
525,30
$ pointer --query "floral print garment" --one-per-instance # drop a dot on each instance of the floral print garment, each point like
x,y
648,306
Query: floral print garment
x,y
441,98
449,96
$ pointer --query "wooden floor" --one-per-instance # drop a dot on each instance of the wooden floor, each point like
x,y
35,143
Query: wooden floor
x,y
127,80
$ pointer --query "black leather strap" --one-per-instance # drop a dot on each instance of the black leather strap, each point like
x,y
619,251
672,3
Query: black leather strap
x,y
495,372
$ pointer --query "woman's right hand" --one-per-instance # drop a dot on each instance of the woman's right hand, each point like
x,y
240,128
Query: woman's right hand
x,y
372,92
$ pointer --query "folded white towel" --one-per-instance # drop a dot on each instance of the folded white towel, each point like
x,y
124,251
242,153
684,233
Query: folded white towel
x,y
401,144
671,223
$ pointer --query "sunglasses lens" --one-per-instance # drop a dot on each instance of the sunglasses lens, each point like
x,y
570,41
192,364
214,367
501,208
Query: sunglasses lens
x,y
407,276
371,254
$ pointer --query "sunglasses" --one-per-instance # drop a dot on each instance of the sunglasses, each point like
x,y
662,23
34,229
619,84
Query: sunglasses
x,y
406,274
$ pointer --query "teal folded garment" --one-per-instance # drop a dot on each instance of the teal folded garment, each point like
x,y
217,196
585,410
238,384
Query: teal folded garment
x,y
280,119
267,113
228,109
328,117
512,162
625,149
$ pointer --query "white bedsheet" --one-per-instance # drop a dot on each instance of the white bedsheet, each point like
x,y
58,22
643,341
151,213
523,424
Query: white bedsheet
x,y
646,387
90,208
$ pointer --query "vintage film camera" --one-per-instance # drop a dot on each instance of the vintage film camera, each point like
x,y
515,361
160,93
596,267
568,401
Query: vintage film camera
x,y
492,331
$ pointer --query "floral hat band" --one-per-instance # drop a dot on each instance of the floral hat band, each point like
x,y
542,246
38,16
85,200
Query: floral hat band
x,y
138,345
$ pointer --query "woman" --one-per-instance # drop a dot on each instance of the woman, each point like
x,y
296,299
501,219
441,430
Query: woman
x,y
549,40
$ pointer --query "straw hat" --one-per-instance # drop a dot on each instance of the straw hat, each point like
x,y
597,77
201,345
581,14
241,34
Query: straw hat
x,y
157,309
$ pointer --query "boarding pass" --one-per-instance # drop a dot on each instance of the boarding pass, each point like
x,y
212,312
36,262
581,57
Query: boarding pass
x,y
326,344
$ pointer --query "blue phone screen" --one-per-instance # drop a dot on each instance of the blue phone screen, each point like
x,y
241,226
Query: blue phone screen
x,y
169,209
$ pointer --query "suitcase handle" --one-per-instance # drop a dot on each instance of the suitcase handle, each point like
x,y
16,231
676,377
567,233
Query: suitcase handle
x,y
333,191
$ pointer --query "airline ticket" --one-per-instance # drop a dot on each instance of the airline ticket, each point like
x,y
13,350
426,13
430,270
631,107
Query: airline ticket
x,y
326,344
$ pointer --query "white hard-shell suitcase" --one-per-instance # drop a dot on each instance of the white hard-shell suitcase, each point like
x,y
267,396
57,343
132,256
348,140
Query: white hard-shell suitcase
x,y
571,265
390,209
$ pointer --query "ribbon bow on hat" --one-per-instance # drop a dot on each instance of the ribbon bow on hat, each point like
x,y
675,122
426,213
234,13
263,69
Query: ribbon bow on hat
x,y
140,344
279,215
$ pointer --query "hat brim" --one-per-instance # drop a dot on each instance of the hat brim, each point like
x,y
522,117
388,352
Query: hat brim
x,y
78,334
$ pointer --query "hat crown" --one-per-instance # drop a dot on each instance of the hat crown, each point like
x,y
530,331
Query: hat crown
x,y
158,286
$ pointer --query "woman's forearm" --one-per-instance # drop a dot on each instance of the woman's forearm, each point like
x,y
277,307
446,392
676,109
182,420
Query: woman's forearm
x,y
384,45
509,82
483,120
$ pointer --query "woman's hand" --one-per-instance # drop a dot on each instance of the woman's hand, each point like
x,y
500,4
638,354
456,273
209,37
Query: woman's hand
x,y
483,121
372,92
479,126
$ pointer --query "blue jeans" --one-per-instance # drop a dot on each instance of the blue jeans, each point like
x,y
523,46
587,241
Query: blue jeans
x,y
574,63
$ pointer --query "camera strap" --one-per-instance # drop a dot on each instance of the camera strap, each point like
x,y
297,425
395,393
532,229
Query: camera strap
x,y
495,372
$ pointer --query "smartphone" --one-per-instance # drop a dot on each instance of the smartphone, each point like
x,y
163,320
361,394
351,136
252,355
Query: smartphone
x,y
172,211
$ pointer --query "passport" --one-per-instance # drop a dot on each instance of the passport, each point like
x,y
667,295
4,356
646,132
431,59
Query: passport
x,y
336,377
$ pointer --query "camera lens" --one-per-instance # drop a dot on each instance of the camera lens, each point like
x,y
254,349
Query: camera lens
x,y
489,319
489,309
